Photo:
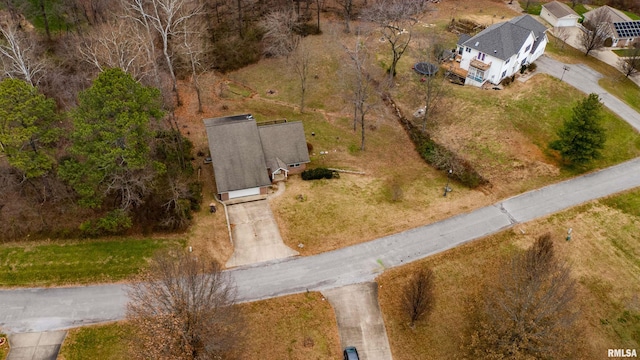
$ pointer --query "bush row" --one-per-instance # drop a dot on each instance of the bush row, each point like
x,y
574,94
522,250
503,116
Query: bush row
x,y
319,173
442,158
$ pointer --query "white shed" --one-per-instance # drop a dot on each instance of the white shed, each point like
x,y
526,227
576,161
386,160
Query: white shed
x,y
559,15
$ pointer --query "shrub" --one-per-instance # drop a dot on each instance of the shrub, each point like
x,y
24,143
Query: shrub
x,y
507,81
115,222
533,67
317,173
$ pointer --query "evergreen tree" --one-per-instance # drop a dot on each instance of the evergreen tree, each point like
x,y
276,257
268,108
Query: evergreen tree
x,y
110,141
27,127
583,136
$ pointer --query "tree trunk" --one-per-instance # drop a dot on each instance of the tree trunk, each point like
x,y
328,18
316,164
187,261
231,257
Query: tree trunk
x,y
240,26
43,12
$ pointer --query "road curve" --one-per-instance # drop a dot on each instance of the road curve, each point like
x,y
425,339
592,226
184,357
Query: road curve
x,y
43,309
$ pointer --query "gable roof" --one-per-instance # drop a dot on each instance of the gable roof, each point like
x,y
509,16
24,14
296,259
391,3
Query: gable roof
x,y
236,153
559,10
285,142
614,15
505,39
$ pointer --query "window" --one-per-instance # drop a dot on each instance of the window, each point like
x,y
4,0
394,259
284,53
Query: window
x,y
504,73
481,56
528,47
468,49
294,165
475,74
506,62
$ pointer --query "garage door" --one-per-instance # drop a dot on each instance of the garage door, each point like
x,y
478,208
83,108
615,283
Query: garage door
x,y
244,192
566,22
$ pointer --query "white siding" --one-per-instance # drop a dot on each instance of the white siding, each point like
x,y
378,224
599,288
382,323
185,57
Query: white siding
x,y
545,14
244,192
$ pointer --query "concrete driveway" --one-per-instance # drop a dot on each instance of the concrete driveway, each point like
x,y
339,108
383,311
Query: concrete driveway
x,y
255,234
586,79
36,346
359,320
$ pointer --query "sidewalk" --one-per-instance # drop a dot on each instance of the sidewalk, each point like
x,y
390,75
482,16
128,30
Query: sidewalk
x,y
36,346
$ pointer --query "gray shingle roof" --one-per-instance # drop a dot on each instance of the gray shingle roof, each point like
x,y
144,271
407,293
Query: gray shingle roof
x,y
241,150
559,10
614,15
236,153
503,40
284,141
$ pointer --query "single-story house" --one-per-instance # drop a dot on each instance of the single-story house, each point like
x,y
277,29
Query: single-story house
x,y
622,29
247,157
500,50
559,14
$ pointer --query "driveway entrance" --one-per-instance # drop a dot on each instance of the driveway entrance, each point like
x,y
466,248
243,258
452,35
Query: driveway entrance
x,y
255,234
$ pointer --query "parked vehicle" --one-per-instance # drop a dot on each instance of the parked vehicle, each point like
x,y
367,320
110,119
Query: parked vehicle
x,y
350,353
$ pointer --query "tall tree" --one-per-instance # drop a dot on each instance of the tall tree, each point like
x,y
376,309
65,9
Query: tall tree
x,y
183,308
361,84
166,19
630,64
530,312
583,136
27,128
110,141
596,31
20,56
301,62
419,295
396,19
280,38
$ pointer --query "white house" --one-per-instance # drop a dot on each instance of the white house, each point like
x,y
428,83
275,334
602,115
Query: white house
x,y
500,50
559,15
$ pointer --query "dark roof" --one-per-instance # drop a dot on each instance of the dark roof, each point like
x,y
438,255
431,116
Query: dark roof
x,y
463,37
285,142
236,153
628,29
559,10
503,40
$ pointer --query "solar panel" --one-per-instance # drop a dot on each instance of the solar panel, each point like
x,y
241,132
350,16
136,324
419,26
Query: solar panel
x,y
628,29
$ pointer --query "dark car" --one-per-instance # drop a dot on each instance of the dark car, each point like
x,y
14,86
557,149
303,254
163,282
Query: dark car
x,y
350,353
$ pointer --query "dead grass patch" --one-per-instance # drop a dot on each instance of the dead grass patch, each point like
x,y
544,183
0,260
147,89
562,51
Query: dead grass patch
x,y
602,254
299,326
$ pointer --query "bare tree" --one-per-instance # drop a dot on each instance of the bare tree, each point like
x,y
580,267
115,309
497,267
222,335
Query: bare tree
x,y
301,61
432,86
396,19
118,45
630,64
183,308
530,312
166,19
419,295
280,38
562,34
20,57
596,31
193,49
362,87
347,12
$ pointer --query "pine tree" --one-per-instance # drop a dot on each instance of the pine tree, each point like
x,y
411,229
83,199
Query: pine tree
x,y
583,136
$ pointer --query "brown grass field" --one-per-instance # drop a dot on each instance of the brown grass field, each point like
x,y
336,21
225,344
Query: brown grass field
x,y
603,255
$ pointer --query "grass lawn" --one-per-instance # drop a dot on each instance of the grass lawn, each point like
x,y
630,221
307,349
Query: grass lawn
x,y
614,81
299,326
603,255
534,7
624,52
76,262
633,16
105,342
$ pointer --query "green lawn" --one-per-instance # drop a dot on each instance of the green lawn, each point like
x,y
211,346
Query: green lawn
x,y
105,342
534,7
624,52
633,16
78,262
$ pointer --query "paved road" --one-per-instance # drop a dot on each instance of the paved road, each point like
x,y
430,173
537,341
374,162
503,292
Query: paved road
x,y
586,79
29,310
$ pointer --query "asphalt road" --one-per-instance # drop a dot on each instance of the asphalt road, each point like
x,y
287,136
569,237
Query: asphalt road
x,y
586,79
31,310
